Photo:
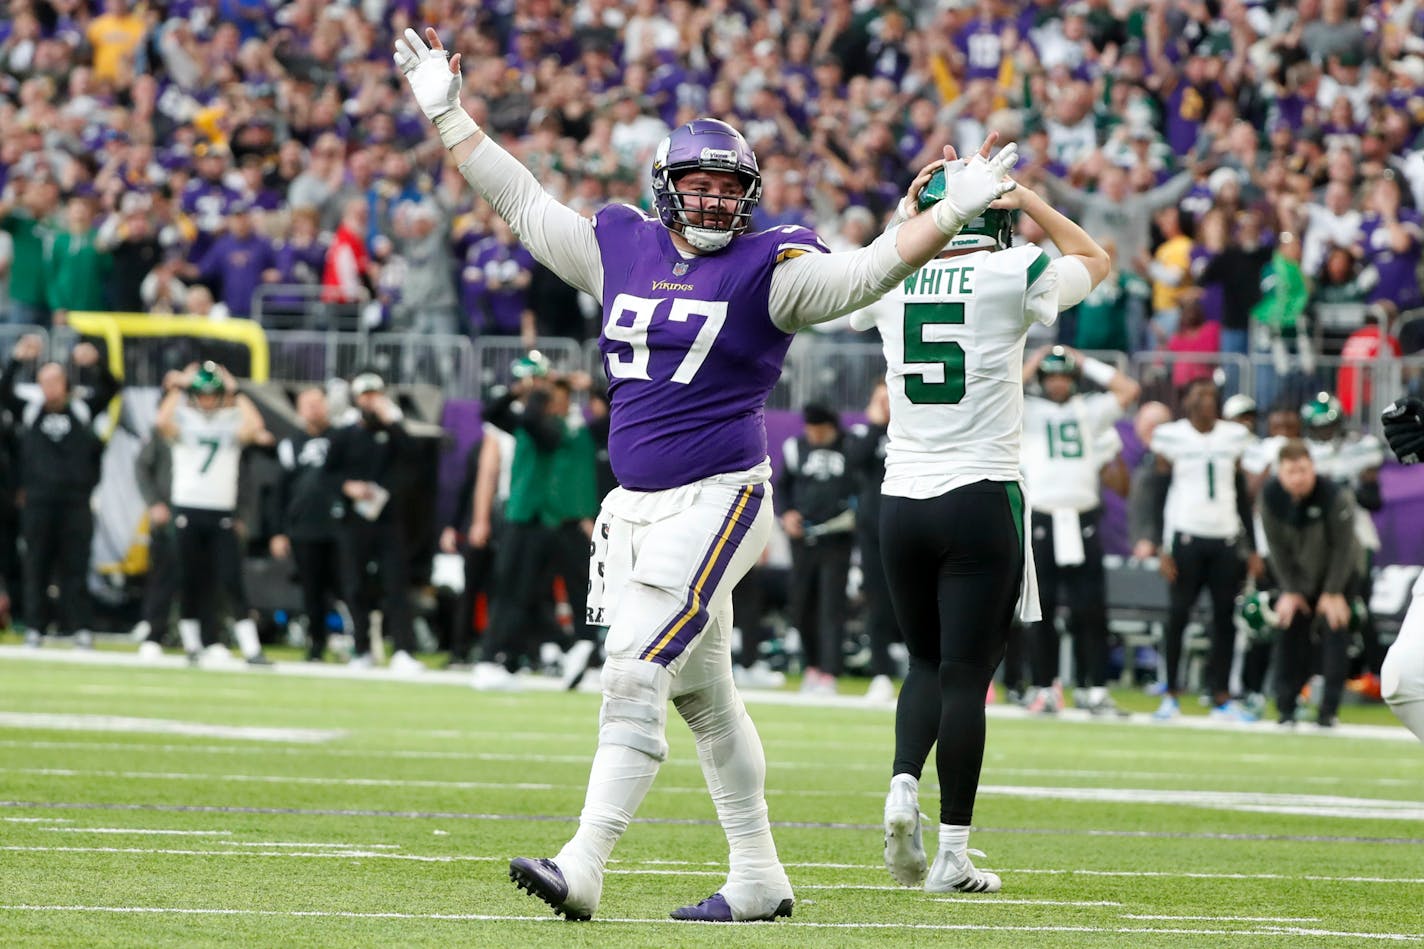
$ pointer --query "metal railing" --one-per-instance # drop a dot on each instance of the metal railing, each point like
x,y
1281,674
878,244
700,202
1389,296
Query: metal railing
x,y
299,306
494,357
446,361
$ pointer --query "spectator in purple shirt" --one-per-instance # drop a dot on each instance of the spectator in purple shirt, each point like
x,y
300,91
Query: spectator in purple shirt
x,y
240,261
495,283
299,258
206,200
1392,239
981,44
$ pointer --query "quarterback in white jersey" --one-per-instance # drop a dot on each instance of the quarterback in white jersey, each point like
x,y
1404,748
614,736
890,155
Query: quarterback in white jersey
x,y
952,507
208,422
1068,441
1402,678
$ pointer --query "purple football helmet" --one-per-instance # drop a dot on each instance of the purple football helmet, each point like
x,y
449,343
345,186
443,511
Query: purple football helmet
x,y
704,145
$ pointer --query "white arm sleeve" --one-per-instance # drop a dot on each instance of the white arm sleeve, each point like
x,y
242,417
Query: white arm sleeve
x,y
558,236
1074,281
814,288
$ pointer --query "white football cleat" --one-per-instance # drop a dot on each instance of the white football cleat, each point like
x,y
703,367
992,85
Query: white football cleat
x,y
403,663
150,651
882,690
953,873
493,677
218,656
904,840
758,675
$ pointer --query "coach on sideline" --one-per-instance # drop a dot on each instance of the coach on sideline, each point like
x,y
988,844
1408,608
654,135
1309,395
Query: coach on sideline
x,y
1310,528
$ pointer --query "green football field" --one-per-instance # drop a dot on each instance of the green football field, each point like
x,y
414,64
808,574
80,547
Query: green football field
x,y
175,806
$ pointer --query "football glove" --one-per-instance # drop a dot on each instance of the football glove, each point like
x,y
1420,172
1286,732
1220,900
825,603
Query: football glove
x,y
971,186
1404,429
436,88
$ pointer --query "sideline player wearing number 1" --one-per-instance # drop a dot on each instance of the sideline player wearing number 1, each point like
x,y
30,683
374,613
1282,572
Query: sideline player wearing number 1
x,y
697,316
952,509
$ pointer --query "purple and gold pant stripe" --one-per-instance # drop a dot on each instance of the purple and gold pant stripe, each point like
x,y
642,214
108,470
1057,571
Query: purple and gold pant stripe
x,y
674,638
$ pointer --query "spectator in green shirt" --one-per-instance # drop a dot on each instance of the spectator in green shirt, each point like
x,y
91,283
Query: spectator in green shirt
x,y
29,224
1279,319
78,272
1106,313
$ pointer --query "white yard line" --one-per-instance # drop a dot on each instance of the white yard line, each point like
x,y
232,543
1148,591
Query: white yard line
x,y
53,721
641,921
784,698
304,843
626,867
138,831
323,854
1242,801
1224,919
583,759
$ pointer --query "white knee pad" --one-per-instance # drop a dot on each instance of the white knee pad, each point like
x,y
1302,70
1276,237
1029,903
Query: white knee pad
x,y
634,713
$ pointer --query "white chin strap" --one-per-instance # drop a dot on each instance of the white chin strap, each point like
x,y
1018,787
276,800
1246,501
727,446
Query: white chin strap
x,y
706,238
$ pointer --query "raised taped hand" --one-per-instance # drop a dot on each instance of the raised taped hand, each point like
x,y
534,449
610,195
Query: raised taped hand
x,y
973,185
433,76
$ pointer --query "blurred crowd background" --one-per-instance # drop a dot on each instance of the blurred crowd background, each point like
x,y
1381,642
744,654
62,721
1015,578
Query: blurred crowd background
x,y
177,157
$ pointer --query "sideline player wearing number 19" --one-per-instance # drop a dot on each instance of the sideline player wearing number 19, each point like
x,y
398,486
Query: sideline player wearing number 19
x,y
697,318
1069,438
952,509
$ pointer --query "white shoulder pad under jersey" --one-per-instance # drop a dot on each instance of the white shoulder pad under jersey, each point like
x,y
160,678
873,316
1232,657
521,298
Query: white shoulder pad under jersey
x,y
954,342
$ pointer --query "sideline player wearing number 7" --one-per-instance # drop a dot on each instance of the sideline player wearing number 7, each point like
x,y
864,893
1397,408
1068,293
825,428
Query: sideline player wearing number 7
x,y
952,508
697,317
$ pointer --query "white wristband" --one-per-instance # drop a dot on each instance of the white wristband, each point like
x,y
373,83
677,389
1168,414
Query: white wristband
x,y
455,126
1098,371
946,218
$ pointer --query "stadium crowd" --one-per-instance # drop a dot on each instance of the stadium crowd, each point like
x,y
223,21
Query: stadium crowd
x,y
1251,167
176,157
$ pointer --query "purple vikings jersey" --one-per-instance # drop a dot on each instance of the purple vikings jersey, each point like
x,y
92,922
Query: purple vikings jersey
x,y
1397,282
982,45
689,348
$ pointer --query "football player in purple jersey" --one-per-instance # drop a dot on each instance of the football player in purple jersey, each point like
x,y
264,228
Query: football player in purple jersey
x,y
698,312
